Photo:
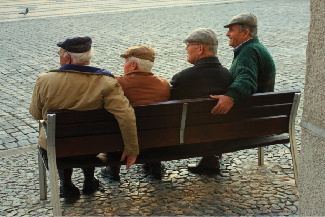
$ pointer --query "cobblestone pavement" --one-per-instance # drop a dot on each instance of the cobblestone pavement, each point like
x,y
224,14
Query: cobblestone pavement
x,y
28,49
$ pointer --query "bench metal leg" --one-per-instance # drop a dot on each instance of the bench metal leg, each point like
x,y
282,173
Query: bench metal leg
x,y
260,156
51,154
42,178
293,143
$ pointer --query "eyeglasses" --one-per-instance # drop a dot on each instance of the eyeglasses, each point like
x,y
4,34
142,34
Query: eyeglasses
x,y
188,44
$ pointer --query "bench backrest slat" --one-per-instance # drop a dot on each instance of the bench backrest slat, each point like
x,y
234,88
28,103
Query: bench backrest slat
x,y
114,142
235,130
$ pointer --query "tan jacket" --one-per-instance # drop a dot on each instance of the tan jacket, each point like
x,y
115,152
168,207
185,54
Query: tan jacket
x,y
141,86
67,89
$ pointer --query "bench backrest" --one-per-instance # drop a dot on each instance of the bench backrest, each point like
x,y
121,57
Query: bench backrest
x,y
173,123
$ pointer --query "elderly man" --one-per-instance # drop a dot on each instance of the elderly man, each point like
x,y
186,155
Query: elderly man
x,y
206,77
253,68
141,86
78,86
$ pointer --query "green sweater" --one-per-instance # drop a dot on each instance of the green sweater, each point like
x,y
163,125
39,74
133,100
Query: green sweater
x,y
253,71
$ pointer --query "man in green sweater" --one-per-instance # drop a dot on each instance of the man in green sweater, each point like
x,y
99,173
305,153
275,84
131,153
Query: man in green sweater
x,y
253,68
253,71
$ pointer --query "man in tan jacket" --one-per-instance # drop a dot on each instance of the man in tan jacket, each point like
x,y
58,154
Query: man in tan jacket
x,y
141,86
78,86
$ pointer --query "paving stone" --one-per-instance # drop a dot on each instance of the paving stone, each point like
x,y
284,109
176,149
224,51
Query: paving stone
x,y
28,49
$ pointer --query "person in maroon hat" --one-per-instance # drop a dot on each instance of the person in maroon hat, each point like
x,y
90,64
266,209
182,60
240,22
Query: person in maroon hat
x,y
78,86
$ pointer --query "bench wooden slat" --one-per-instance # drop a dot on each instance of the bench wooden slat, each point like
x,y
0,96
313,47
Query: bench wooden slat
x,y
112,127
233,130
208,149
114,142
194,119
66,117
179,152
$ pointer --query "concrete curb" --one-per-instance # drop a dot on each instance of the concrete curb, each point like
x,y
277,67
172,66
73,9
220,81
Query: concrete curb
x,y
15,151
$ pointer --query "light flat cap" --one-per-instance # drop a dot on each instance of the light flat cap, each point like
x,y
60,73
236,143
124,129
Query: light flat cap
x,y
142,52
76,44
244,19
202,35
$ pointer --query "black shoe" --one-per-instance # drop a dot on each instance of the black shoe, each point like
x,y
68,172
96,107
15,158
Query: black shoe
x,y
69,191
209,164
112,172
145,166
155,170
91,186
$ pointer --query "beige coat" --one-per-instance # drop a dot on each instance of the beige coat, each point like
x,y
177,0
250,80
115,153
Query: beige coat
x,y
67,89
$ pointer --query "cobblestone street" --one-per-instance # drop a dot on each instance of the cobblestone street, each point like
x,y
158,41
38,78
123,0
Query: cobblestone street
x,y
29,49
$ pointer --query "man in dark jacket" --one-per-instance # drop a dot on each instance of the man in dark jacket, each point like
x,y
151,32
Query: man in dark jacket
x,y
207,77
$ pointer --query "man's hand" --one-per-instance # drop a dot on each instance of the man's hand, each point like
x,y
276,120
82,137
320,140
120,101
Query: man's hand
x,y
130,159
224,105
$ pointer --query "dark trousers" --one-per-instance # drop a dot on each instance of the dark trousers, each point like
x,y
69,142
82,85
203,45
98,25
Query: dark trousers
x,y
66,174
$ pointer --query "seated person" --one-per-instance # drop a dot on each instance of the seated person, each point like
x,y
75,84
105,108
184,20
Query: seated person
x,y
141,86
207,77
78,86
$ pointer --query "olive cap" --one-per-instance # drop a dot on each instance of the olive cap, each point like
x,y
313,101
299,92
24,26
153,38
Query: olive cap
x,y
202,35
244,19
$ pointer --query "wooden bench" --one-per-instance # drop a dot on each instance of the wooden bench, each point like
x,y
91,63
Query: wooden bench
x,y
169,131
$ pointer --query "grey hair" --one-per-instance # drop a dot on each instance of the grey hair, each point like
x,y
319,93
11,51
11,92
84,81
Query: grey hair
x,y
142,64
252,30
80,57
213,48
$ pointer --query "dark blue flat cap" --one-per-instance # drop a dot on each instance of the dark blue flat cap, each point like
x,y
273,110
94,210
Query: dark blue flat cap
x,y
76,44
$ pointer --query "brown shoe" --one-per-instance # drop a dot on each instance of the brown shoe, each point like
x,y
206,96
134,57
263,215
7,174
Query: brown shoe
x,y
208,164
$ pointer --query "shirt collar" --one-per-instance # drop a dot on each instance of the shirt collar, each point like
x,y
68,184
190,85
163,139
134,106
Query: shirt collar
x,y
86,68
140,71
240,45
205,60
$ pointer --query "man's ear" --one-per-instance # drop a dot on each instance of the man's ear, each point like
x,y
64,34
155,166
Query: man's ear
x,y
69,61
201,48
246,31
134,65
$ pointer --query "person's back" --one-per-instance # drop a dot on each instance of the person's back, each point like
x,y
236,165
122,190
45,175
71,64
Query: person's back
x,y
207,77
140,86
70,89
78,86
255,52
